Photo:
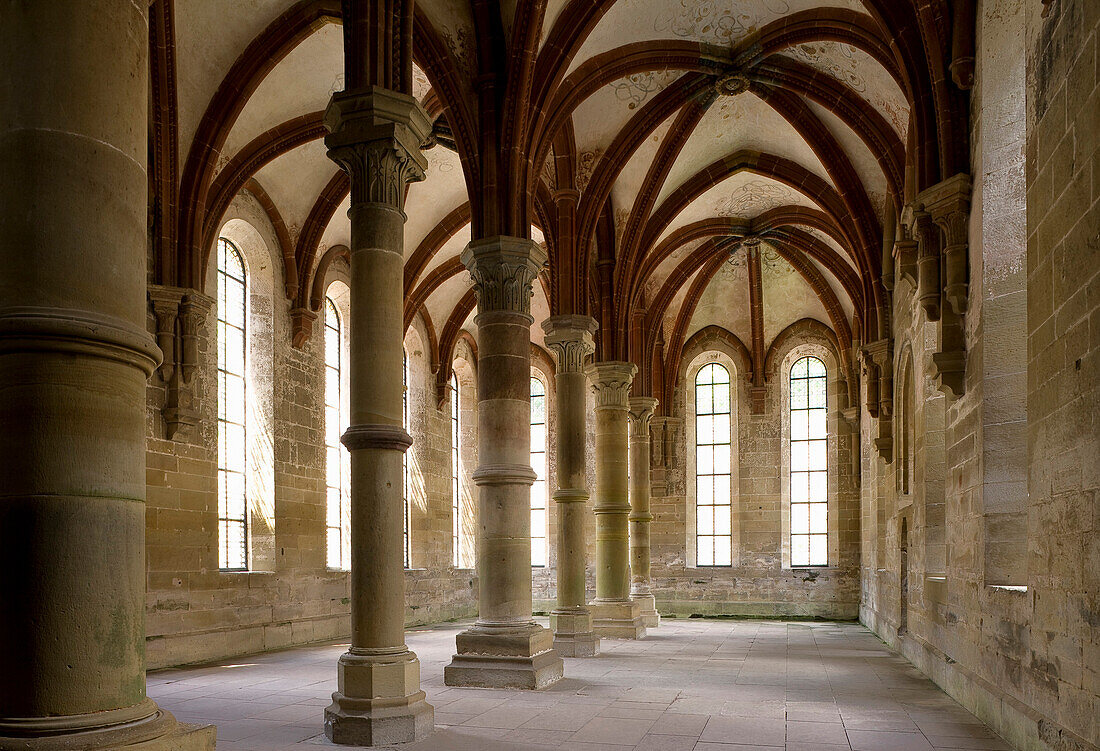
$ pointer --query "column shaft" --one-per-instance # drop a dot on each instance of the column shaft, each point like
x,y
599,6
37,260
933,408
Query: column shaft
x,y
614,614
375,137
641,413
570,337
74,358
505,648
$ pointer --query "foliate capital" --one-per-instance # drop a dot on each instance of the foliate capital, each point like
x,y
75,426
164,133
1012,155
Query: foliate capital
x,y
375,136
611,383
570,337
503,270
642,409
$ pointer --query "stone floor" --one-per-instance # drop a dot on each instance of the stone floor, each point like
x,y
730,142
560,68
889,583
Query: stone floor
x,y
693,685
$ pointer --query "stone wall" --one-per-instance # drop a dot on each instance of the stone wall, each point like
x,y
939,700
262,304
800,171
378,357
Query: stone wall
x,y
194,612
1007,621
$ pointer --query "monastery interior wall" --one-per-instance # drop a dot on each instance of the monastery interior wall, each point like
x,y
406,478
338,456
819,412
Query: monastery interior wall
x,y
1008,626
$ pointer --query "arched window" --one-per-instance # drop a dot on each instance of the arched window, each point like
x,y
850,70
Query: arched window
x,y
406,485
337,460
713,456
809,463
538,462
456,502
232,409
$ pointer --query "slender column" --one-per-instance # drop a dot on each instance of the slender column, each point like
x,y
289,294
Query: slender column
x,y
641,413
75,355
506,648
614,614
375,136
570,337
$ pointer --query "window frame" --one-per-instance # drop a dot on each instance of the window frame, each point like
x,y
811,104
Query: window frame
x,y
714,538
701,360
832,376
344,457
540,489
223,373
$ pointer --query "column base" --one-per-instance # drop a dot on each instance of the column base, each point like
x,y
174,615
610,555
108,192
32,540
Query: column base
x,y
521,657
573,634
617,619
379,701
158,731
648,605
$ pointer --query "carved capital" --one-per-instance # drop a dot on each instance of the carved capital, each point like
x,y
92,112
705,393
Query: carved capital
x,y
375,136
503,270
948,202
642,409
928,263
611,383
570,338
165,302
194,307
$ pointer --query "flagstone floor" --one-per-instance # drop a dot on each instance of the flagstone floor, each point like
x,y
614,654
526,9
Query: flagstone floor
x,y
692,685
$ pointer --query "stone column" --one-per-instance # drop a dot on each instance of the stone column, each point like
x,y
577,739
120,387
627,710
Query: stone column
x,y
506,648
614,614
75,355
375,135
570,337
641,413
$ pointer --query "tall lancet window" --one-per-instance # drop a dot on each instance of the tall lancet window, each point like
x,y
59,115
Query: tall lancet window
x,y
809,464
232,409
406,485
713,455
538,463
456,503
337,460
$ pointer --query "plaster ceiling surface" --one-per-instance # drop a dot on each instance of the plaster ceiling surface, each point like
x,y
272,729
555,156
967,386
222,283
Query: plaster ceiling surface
x,y
787,296
209,38
302,82
744,195
861,73
673,310
846,304
667,266
453,22
420,83
600,117
861,157
739,122
295,179
725,302
443,301
442,190
451,249
720,23
338,231
550,15
632,176
828,240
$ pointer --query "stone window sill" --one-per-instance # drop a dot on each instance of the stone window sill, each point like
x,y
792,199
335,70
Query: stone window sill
x,y
1015,588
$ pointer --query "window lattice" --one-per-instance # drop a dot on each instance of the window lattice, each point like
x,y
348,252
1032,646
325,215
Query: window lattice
x,y
809,464
337,460
538,462
406,485
456,474
713,455
232,409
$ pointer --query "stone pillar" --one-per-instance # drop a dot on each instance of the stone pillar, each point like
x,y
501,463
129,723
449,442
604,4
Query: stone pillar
x,y
375,136
506,648
75,355
614,614
641,413
570,337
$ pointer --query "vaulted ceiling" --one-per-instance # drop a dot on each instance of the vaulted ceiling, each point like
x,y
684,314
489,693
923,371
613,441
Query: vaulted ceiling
x,y
699,163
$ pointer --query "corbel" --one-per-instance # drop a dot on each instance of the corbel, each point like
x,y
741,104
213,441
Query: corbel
x,y
881,353
905,248
301,325
180,313
928,264
870,375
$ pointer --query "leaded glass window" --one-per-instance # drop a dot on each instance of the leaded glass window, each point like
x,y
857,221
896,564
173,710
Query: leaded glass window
x,y
713,457
406,485
809,463
456,504
538,462
232,409
337,460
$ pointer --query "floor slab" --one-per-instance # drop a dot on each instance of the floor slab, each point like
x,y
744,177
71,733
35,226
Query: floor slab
x,y
693,685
